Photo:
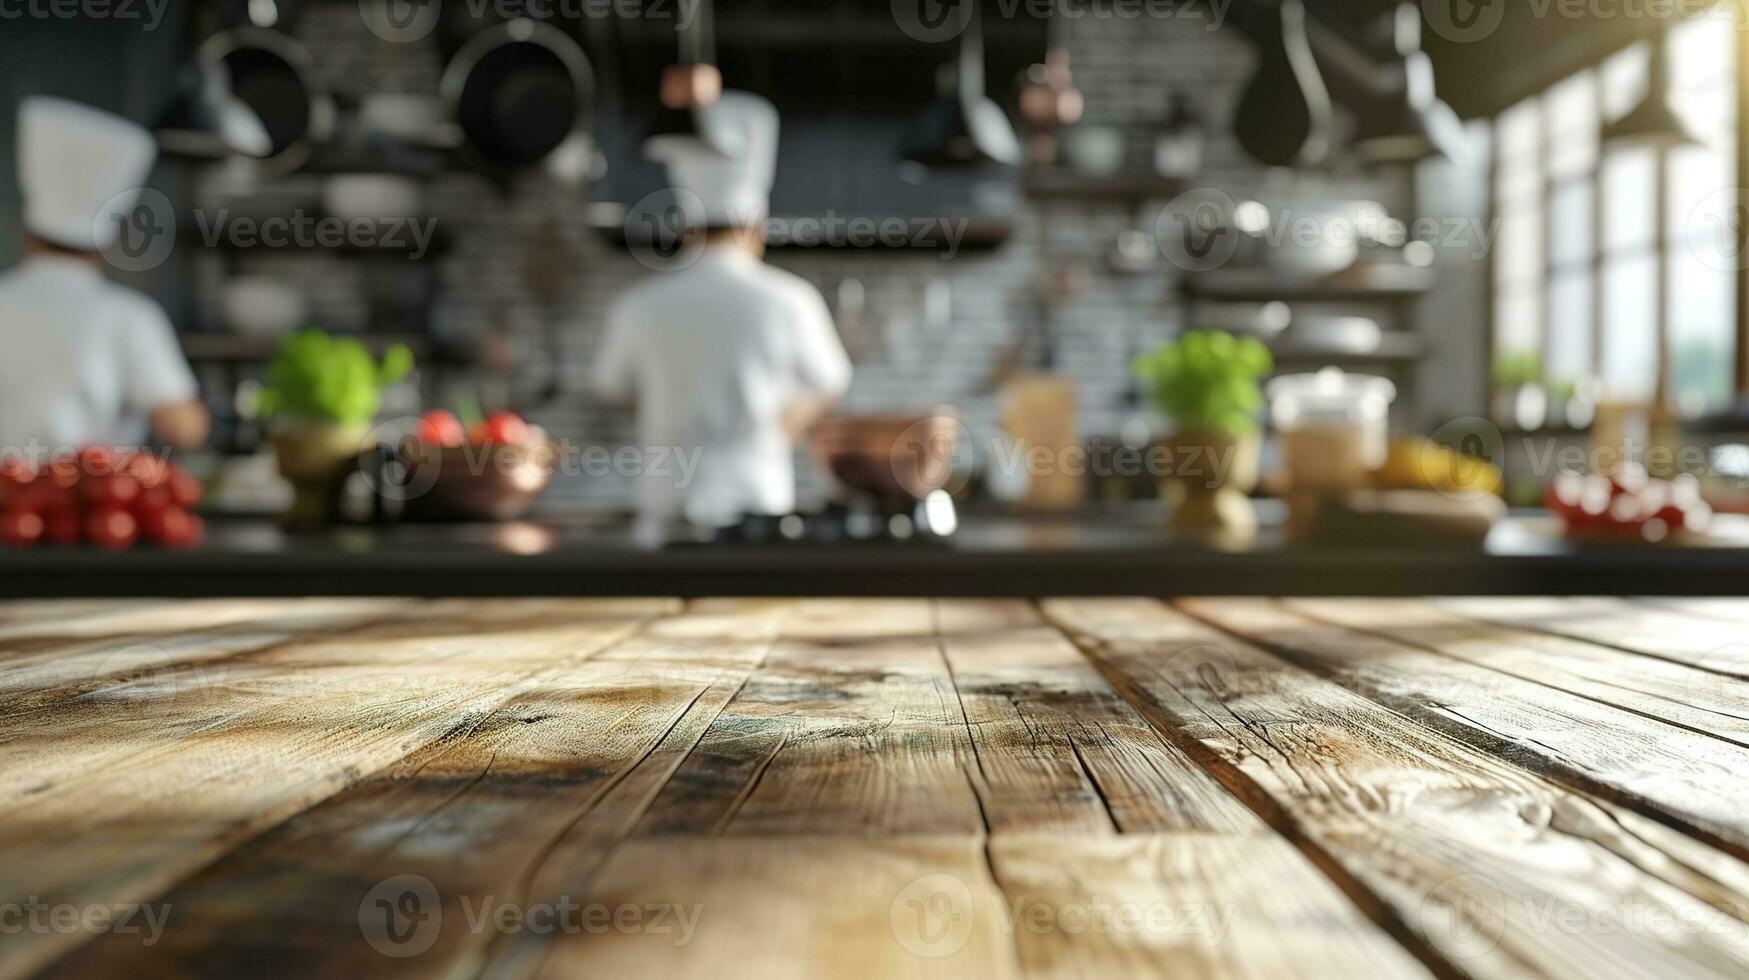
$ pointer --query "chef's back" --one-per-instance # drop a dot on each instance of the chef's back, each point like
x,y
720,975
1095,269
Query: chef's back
x,y
86,360
716,354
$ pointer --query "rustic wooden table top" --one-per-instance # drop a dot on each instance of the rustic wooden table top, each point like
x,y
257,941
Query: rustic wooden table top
x,y
764,788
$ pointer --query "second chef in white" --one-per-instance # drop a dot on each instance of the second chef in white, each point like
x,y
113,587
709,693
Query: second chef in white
x,y
728,357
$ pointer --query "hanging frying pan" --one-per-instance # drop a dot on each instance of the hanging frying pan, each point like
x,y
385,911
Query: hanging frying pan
x,y
271,74
519,90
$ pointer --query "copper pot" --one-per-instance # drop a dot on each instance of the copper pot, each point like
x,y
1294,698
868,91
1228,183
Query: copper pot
x,y
488,483
896,459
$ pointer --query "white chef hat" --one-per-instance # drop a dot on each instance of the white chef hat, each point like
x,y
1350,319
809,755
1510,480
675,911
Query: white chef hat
x,y
734,188
72,160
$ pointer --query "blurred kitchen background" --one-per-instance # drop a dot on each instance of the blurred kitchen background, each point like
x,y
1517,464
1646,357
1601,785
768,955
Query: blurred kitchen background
x,y
1525,259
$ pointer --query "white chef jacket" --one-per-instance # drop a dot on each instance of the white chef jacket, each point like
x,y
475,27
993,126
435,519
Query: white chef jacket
x,y
715,354
82,360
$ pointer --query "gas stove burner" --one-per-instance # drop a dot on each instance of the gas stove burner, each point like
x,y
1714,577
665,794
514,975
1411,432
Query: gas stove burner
x,y
933,520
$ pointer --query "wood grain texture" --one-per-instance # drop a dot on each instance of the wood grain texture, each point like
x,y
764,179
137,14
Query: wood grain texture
x,y
204,771
1472,860
1631,757
879,788
537,789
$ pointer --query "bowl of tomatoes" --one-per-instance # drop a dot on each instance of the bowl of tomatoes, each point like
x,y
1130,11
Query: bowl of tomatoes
x,y
100,497
490,471
1628,506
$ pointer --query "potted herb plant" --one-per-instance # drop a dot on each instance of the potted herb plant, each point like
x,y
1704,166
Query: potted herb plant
x,y
1208,383
322,394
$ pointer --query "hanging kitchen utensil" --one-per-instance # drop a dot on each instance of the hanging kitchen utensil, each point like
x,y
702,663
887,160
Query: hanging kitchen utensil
x,y
272,78
1409,123
1285,117
690,84
519,89
1050,101
965,127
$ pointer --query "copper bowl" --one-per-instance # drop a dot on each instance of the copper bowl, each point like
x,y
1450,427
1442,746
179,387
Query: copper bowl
x,y
893,458
479,483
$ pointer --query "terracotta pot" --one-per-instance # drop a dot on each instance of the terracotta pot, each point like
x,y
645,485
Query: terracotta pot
x,y
316,458
1210,476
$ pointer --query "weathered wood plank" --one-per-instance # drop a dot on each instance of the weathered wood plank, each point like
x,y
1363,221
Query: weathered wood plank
x,y
209,772
1055,747
850,727
1182,904
1623,755
543,784
1659,689
37,674
1699,641
805,906
1465,857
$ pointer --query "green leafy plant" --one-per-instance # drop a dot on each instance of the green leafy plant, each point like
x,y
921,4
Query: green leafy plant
x,y
317,377
1208,379
1516,370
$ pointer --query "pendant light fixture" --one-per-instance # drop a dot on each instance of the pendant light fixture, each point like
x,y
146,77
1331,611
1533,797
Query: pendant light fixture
x,y
1285,117
1652,122
964,128
687,86
1409,123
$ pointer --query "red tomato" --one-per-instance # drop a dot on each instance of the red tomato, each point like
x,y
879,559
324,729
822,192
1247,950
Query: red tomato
x,y
21,528
148,469
112,528
439,428
502,429
184,489
42,496
16,469
65,526
97,460
116,489
173,528
153,499
63,472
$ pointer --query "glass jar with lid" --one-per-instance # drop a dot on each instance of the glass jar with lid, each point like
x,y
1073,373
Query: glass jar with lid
x,y
1333,426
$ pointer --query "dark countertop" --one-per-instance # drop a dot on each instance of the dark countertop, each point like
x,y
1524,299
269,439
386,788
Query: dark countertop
x,y
1107,552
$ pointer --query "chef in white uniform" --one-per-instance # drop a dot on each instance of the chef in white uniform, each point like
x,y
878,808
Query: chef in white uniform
x,y
83,360
728,357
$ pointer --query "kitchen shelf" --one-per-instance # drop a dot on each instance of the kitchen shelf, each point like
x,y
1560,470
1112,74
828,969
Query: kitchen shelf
x,y
232,348
1393,346
1055,183
1361,283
